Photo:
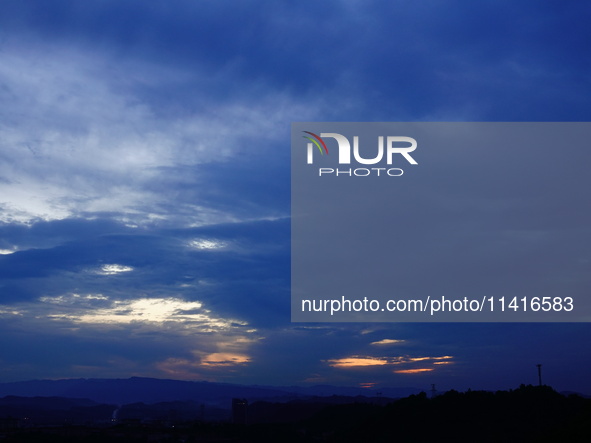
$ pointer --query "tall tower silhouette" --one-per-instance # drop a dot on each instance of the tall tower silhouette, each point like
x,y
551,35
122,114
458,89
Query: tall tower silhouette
x,y
539,374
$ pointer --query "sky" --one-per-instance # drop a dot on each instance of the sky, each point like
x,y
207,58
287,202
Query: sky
x,y
145,183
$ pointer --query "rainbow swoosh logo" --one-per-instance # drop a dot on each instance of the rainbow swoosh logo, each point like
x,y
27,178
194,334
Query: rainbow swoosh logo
x,y
316,141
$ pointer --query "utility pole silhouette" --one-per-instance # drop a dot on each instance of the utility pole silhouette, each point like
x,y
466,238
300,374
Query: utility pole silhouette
x,y
539,373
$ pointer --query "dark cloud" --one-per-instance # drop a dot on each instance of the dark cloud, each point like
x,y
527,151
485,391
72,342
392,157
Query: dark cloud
x,y
394,61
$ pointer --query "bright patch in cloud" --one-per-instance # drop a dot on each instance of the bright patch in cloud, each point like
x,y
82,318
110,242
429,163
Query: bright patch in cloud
x,y
100,310
9,312
72,299
82,138
209,244
113,269
153,310
386,342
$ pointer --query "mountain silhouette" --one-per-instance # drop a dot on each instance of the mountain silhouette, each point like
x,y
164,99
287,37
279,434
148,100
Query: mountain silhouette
x,y
152,390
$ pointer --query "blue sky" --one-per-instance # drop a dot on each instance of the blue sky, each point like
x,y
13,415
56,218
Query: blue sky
x,y
144,181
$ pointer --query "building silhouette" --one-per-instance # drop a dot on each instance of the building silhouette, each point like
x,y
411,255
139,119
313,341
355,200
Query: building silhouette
x,y
239,411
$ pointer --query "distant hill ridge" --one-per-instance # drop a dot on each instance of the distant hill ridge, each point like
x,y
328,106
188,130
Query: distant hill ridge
x,y
152,390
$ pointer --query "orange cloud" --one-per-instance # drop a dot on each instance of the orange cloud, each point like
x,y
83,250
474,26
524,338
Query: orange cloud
x,y
182,368
413,371
203,368
316,378
357,362
224,359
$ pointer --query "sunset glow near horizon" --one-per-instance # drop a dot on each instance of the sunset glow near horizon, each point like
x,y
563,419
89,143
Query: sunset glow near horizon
x,y
145,187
